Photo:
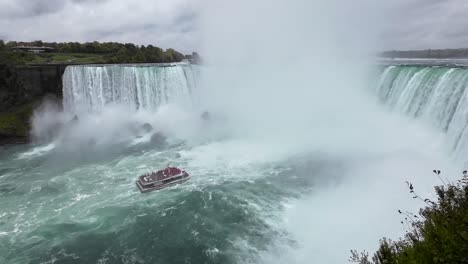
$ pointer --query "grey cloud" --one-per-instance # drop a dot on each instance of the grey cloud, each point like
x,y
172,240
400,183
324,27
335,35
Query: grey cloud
x,y
108,34
31,8
158,22
24,8
423,24
185,22
411,24
44,8
88,1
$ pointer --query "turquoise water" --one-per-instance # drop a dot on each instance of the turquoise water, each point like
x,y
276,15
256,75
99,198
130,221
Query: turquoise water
x,y
84,207
65,200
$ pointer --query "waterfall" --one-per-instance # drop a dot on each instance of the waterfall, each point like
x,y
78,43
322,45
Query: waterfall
x,y
146,86
437,95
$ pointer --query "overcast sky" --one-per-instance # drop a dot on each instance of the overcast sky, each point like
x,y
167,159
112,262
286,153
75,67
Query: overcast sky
x,y
414,24
164,23
420,24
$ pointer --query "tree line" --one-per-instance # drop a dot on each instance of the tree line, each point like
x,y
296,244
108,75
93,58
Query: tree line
x,y
428,53
112,52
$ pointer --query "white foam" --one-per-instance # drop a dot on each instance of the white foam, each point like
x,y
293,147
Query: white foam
x,y
37,151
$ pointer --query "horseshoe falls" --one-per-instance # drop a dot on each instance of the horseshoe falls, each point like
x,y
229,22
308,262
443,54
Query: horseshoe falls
x,y
436,95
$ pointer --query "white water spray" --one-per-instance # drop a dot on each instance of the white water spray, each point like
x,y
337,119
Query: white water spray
x,y
436,95
294,73
109,104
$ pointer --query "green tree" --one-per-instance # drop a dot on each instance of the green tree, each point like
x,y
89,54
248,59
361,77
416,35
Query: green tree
x,y
439,233
154,54
112,52
10,44
65,48
37,43
139,57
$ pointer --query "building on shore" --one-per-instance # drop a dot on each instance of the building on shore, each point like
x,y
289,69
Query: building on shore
x,y
33,49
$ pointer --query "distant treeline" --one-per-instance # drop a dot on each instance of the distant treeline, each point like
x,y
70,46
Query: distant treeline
x,y
429,53
108,52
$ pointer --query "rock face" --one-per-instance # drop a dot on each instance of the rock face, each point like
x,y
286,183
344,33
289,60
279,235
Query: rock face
x,y
42,79
22,84
22,87
158,140
147,127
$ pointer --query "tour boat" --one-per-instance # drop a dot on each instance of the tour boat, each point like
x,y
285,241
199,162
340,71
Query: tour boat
x,y
161,179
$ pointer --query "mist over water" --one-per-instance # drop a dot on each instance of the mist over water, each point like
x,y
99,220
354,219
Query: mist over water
x,y
292,67
294,74
108,105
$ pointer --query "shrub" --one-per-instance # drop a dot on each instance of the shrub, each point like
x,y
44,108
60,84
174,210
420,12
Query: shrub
x,y
438,234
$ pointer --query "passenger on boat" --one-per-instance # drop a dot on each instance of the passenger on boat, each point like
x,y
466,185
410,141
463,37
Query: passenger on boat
x,y
173,171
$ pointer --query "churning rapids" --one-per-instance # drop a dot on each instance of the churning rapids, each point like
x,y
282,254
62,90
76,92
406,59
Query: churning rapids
x,y
71,196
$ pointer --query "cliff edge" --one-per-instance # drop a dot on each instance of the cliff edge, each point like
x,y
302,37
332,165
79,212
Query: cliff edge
x,y
22,88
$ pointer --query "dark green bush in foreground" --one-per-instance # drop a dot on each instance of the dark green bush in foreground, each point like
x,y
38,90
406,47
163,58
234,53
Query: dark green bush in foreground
x,y
438,234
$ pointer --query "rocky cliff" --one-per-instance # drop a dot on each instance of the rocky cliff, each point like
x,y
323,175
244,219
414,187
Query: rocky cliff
x,y
21,88
22,84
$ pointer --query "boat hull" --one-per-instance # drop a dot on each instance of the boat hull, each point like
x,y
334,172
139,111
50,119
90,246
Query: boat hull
x,y
154,187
